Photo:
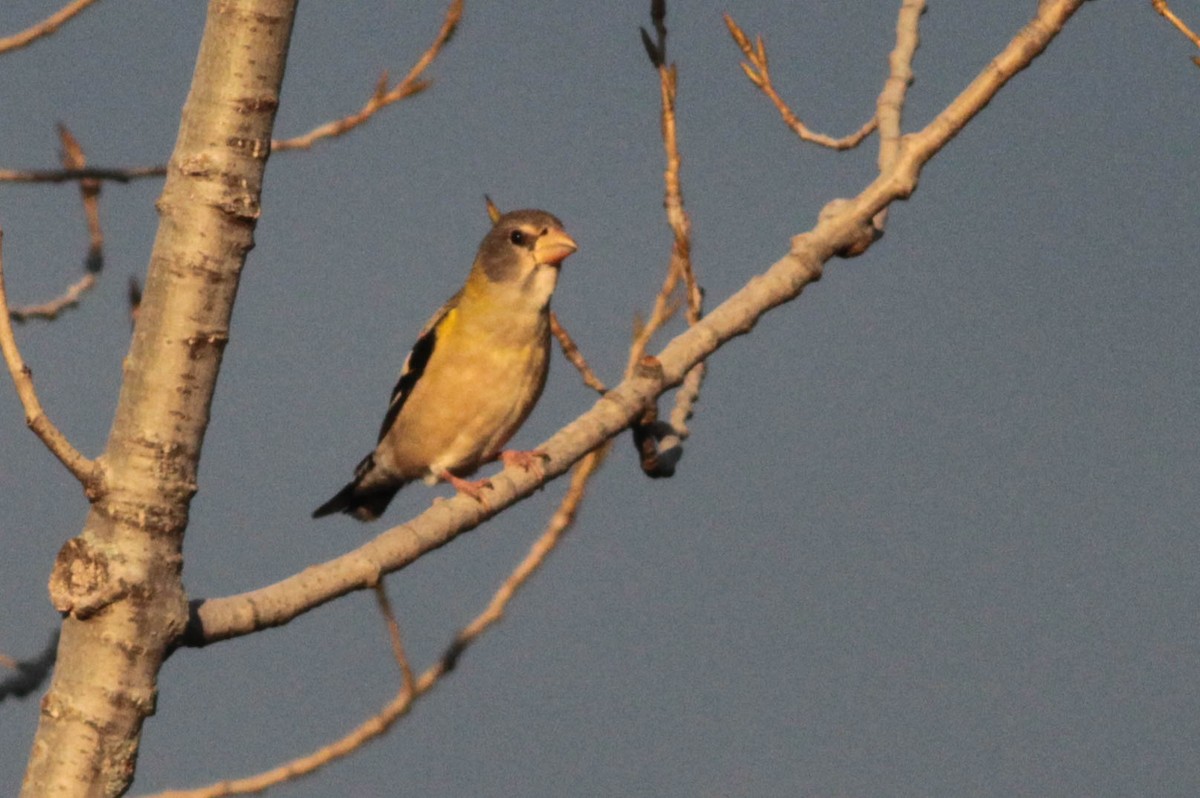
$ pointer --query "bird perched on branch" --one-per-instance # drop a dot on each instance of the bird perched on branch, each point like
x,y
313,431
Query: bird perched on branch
x,y
474,374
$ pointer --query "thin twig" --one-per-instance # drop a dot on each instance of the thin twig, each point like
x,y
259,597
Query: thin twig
x,y
889,108
758,71
44,28
571,350
1161,7
661,312
82,468
116,175
665,305
73,157
890,105
50,310
659,444
389,616
402,702
382,96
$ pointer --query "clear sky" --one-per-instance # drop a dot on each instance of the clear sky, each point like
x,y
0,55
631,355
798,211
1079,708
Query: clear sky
x,y
935,532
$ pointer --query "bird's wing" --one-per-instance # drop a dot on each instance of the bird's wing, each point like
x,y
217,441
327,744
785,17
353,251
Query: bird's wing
x,y
414,366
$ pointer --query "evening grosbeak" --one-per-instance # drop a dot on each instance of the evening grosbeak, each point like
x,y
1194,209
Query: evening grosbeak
x,y
474,374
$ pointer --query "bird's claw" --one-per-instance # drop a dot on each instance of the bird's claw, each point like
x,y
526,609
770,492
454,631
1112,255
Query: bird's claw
x,y
534,460
474,489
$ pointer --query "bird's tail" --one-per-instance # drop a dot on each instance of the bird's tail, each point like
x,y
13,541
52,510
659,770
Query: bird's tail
x,y
363,505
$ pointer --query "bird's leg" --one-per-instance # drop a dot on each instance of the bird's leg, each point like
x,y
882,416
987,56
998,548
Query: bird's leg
x,y
474,489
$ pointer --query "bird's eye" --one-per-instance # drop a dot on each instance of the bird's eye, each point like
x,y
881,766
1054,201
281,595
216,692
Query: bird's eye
x,y
517,237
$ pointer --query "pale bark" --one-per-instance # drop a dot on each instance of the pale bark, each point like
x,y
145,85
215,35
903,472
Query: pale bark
x,y
118,582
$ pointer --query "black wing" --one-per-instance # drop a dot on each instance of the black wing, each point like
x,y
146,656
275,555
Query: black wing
x,y
414,367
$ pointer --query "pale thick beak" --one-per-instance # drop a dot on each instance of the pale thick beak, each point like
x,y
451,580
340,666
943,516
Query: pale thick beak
x,y
553,247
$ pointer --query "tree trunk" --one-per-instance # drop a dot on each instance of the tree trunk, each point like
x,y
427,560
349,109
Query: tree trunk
x,y
118,582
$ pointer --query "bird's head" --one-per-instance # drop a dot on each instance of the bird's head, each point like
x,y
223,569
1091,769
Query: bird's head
x,y
523,252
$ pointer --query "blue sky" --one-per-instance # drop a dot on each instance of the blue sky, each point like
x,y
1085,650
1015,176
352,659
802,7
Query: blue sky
x,y
935,530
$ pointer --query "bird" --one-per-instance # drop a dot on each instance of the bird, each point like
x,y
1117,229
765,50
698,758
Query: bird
x,y
474,373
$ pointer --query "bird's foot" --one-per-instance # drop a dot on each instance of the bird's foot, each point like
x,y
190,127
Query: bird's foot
x,y
472,488
532,460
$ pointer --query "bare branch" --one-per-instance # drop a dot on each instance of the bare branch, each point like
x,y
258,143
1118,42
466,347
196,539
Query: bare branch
x,y
1162,8
382,96
410,691
681,260
393,626
116,175
659,444
51,309
73,157
758,71
889,107
44,28
664,305
571,350
663,309
82,468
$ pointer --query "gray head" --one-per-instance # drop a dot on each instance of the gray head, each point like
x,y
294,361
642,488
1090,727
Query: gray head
x,y
519,243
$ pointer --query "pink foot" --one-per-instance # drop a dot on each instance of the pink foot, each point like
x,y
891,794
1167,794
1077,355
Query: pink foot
x,y
474,489
534,459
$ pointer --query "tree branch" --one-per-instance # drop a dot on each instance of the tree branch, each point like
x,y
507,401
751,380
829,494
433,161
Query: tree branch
x,y
659,445
571,351
116,175
393,627
758,71
889,108
82,468
44,28
382,96
1162,8
73,157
